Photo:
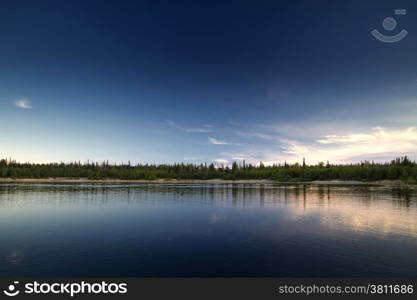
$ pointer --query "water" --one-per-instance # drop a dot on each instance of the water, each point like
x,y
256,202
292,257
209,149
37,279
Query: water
x,y
207,230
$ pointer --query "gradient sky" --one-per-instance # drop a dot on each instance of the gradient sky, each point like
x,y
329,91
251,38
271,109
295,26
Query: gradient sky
x,y
202,81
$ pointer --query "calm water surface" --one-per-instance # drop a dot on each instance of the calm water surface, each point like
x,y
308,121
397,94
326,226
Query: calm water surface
x,y
207,230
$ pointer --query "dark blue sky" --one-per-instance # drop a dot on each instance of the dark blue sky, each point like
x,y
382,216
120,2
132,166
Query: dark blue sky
x,y
165,81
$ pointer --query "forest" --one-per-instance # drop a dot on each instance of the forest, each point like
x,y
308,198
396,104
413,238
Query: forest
x,y
401,168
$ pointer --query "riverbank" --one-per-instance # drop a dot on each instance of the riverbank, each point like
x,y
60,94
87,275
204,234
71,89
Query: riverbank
x,y
196,181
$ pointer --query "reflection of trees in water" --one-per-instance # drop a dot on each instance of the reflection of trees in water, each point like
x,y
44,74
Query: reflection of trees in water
x,y
303,195
403,196
321,193
366,209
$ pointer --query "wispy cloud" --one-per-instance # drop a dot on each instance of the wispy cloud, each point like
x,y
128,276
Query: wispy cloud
x,y
379,144
350,138
214,141
204,129
222,161
198,130
23,103
254,134
192,158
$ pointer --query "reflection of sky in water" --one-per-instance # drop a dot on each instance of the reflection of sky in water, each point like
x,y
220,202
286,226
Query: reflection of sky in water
x,y
166,230
375,210
359,208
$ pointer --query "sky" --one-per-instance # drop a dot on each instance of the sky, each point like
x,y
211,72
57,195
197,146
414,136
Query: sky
x,y
206,81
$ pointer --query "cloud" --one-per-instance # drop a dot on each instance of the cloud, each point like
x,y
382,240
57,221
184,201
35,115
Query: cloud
x,y
254,134
222,161
379,144
205,129
214,141
192,158
23,103
350,138
198,130
238,157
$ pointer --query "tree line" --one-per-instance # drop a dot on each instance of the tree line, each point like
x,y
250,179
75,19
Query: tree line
x,y
401,168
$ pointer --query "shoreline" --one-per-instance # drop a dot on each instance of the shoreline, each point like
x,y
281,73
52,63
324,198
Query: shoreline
x,y
205,181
